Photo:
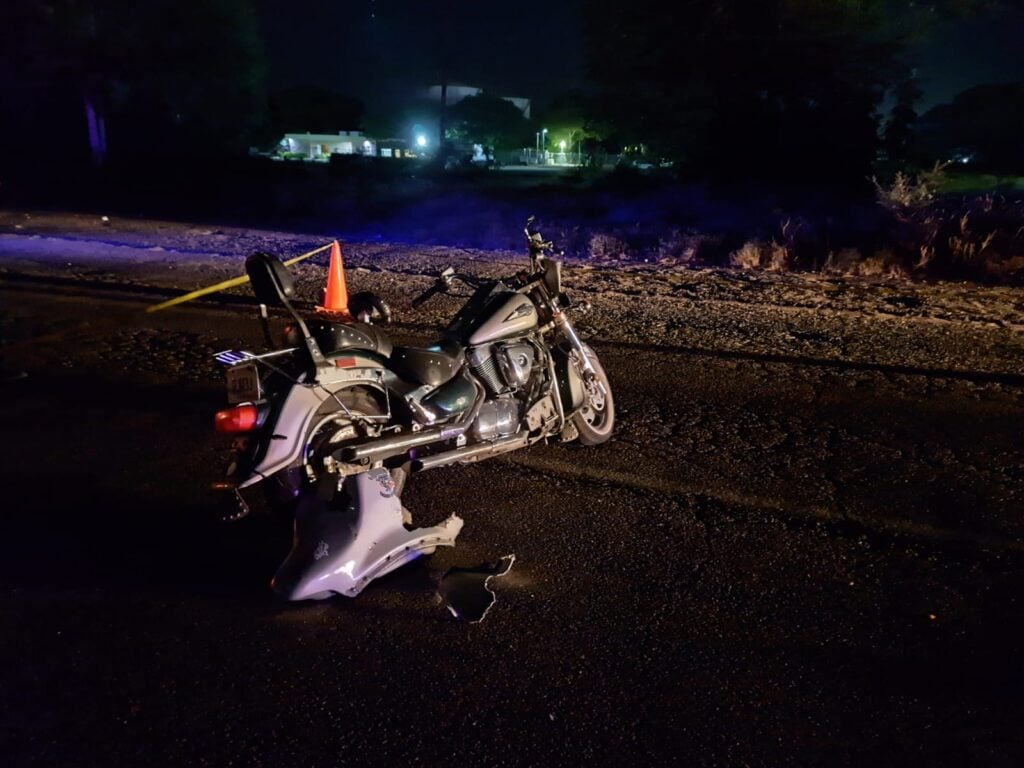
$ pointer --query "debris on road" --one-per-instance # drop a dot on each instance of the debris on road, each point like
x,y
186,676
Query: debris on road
x,y
467,591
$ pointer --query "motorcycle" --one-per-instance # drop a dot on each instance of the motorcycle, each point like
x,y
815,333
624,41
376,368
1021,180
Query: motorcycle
x,y
333,422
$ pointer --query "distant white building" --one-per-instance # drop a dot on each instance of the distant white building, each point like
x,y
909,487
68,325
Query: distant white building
x,y
457,92
317,146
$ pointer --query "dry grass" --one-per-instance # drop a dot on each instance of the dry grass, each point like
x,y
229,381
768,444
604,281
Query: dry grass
x,y
843,262
749,256
914,234
608,247
980,238
882,263
911,191
679,247
780,258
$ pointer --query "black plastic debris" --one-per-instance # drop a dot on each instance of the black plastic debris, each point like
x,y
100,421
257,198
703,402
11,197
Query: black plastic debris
x,y
467,591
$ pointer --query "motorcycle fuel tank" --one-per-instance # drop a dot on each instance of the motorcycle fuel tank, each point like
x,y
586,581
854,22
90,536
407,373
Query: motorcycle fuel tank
x,y
508,314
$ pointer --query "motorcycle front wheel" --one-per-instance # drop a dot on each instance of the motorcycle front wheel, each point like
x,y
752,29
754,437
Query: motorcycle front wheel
x,y
595,420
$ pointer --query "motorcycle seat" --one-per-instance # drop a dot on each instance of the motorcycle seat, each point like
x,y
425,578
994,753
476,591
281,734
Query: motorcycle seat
x,y
433,366
341,337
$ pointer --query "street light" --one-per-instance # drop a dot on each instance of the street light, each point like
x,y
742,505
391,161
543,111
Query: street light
x,y
421,141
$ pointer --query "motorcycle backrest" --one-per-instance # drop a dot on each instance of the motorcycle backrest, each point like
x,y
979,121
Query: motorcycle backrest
x,y
271,281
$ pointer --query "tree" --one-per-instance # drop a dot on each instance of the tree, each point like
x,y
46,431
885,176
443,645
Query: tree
x,y
488,120
195,75
142,78
569,117
56,75
899,128
776,87
986,121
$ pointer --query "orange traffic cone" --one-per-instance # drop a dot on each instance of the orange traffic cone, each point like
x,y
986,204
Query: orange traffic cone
x,y
336,294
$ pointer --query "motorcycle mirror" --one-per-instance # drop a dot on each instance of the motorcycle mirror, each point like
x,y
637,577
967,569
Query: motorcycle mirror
x,y
552,275
446,277
271,281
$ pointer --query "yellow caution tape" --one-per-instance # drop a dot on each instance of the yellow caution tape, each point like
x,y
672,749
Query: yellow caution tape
x,y
232,283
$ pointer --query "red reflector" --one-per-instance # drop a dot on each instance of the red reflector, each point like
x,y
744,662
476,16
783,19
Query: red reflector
x,y
240,419
345,362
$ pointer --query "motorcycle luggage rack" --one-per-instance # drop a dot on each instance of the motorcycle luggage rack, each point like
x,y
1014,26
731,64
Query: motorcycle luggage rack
x,y
235,356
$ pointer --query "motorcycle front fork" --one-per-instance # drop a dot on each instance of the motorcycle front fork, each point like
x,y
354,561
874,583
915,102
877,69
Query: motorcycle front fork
x,y
589,372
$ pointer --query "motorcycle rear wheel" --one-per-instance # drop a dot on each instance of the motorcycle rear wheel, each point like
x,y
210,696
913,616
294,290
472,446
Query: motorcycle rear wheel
x,y
595,420
285,488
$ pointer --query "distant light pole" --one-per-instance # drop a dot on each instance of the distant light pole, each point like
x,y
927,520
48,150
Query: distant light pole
x,y
544,142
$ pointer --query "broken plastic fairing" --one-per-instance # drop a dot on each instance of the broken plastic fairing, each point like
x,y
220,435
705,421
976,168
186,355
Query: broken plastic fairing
x,y
339,548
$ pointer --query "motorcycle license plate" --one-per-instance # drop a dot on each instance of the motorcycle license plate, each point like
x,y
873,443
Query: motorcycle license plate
x,y
243,384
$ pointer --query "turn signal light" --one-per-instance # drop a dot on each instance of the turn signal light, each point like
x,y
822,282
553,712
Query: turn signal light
x,y
241,418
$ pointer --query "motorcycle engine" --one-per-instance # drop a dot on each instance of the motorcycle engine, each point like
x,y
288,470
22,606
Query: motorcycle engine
x,y
502,367
505,369
516,363
497,418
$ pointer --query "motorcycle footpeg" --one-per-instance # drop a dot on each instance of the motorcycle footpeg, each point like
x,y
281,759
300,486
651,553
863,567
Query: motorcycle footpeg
x,y
569,432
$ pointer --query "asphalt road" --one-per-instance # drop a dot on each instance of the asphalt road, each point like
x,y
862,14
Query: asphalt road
x,y
775,562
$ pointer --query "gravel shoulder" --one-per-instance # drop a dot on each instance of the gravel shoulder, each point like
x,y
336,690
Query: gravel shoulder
x,y
954,328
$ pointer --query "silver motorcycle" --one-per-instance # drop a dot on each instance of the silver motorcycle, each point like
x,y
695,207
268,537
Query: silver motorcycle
x,y
333,422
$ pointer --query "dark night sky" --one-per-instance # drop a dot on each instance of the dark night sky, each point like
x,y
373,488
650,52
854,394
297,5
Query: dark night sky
x,y
372,48
383,48
960,54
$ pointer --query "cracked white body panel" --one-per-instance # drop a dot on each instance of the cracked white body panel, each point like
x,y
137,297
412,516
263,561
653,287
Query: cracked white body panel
x,y
341,551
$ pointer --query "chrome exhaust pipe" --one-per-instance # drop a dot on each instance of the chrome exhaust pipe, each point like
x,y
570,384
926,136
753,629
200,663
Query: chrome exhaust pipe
x,y
479,451
386,447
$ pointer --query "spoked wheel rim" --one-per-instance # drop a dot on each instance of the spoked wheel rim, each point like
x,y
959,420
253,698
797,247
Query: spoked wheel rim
x,y
594,410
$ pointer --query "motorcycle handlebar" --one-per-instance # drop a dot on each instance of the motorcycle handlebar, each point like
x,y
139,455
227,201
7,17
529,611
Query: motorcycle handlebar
x,y
425,296
446,278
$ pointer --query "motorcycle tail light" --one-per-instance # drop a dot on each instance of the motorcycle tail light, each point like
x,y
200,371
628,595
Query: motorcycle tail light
x,y
241,418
